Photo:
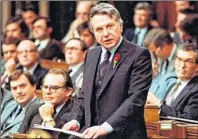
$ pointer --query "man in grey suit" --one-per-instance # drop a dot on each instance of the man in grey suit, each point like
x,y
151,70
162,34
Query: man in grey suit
x,y
75,51
181,98
116,80
23,91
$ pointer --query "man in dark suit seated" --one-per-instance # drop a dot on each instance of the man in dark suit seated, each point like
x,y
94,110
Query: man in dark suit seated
x,y
48,48
28,57
142,17
75,51
56,110
117,76
181,98
23,97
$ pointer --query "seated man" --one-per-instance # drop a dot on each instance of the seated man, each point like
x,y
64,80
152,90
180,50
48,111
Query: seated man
x,y
57,90
47,47
75,51
10,60
28,57
181,99
23,92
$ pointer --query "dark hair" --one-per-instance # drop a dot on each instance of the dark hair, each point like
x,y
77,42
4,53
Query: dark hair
x,y
82,43
29,7
47,20
190,25
8,41
157,36
18,20
67,78
84,26
189,47
17,73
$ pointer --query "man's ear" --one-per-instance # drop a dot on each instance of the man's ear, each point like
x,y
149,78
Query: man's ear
x,y
69,91
197,68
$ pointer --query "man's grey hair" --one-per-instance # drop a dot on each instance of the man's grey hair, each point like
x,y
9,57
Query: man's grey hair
x,y
104,9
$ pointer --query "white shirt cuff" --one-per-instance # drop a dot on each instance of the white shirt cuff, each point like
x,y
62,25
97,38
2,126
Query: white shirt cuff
x,y
108,127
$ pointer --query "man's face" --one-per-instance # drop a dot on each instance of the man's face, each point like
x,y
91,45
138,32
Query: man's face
x,y
185,65
87,37
141,18
13,30
107,30
27,55
162,52
40,30
22,90
9,51
82,10
29,16
54,91
73,53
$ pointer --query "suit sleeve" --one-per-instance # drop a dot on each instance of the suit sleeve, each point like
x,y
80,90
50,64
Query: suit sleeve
x,y
133,106
190,110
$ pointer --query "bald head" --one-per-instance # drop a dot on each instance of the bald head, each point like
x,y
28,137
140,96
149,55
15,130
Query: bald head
x,y
27,53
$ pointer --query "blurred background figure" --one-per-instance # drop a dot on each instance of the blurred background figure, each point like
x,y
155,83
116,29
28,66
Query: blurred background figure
x,y
82,11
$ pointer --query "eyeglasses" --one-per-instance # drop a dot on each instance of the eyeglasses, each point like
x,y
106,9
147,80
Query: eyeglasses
x,y
187,62
51,88
26,51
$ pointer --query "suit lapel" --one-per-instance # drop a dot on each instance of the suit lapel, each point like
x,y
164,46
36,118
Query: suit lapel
x,y
77,73
122,50
95,57
184,92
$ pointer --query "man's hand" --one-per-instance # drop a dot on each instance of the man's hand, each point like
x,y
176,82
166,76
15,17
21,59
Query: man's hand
x,y
10,65
72,125
152,99
95,132
46,111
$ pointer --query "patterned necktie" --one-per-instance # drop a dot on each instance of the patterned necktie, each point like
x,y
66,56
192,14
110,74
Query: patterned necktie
x,y
170,96
105,64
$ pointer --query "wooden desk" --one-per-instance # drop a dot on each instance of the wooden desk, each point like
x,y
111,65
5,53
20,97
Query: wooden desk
x,y
49,64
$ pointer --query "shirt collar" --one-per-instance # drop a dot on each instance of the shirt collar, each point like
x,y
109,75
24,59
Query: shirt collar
x,y
75,68
42,44
57,109
31,71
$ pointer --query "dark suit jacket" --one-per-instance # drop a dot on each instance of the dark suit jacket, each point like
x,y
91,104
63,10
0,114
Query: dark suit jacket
x,y
130,33
123,93
52,50
38,75
185,105
33,117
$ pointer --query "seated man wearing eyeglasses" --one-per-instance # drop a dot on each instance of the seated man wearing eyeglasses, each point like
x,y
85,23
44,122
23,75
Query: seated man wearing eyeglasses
x,y
28,57
56,110
181,98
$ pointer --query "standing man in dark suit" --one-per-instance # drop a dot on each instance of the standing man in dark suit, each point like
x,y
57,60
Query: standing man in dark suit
x,y
181,98
48,48
75,51
142,17
28,57
116,80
